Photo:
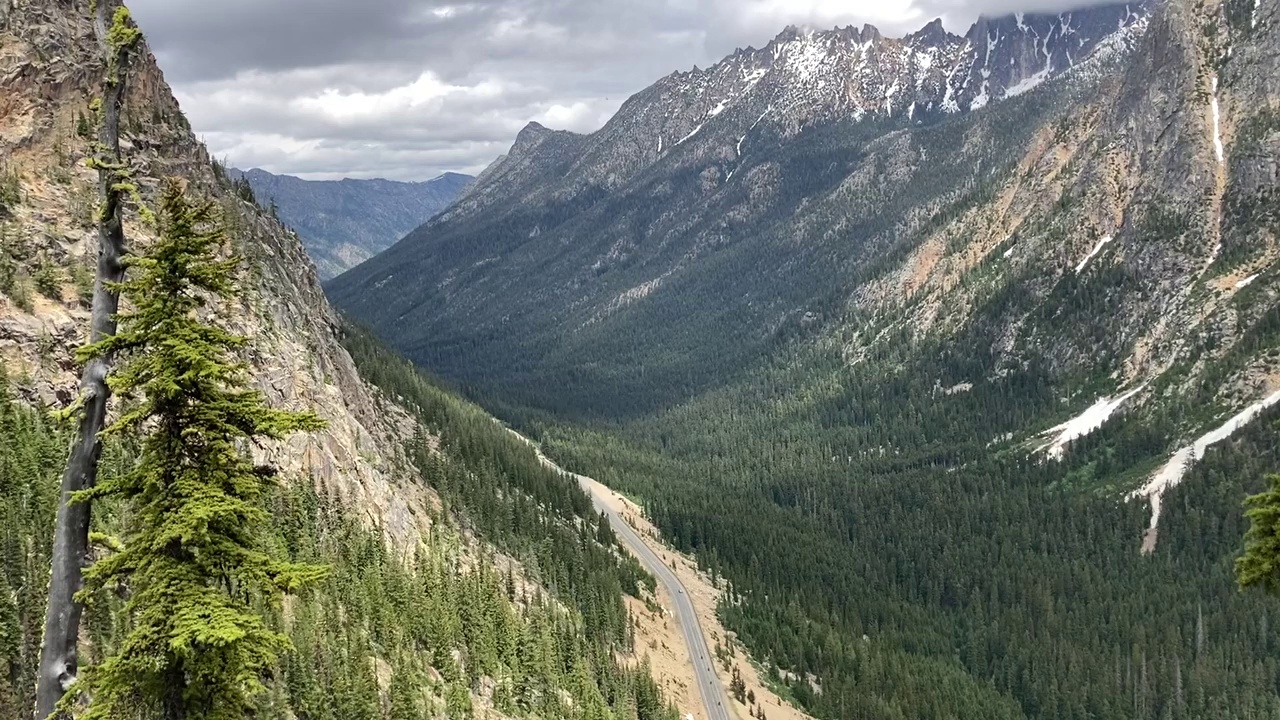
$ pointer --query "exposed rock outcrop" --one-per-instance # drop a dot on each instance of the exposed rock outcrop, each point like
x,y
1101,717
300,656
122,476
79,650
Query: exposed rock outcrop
x,y
48,75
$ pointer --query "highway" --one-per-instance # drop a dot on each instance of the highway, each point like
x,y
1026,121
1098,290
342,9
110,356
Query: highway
x,y
713,696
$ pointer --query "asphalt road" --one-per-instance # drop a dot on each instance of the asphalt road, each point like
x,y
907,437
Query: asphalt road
x,y
714,698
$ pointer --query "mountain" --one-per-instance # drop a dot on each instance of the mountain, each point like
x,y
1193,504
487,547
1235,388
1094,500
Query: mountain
x,y
345,222
693,180
465,577
961,389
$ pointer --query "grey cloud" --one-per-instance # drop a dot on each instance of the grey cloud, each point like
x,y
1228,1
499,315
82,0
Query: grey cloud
x,y
262,79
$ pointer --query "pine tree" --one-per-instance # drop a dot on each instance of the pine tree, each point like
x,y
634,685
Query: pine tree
x,y
1260,564
404,699
193,556
10,648
458,702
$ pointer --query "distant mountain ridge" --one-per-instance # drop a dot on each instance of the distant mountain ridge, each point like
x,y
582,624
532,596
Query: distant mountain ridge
x,y
804,79
845,138
342,223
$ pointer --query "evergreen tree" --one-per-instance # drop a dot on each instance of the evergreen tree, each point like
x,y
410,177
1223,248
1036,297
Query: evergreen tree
x,y
458,702
1260,564
404,700
193,559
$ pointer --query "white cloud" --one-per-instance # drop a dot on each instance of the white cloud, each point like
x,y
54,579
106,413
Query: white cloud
x,y
411,88
581,116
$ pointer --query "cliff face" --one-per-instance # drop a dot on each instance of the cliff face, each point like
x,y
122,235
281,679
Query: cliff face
x,y
49,73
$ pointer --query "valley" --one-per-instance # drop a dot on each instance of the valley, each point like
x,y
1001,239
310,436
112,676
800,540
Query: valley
x,y
714,700
913,353
694,599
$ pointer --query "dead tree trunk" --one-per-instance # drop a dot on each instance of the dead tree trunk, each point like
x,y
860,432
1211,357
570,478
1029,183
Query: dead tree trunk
x,y
58,658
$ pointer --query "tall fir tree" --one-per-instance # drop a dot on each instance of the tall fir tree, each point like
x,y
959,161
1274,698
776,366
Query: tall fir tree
x,y
1259,566
193,555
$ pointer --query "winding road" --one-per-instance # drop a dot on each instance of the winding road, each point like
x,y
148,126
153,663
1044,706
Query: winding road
x,y
713,696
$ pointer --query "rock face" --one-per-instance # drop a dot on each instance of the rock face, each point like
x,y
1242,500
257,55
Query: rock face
x,y
343,223
1090,193
48,75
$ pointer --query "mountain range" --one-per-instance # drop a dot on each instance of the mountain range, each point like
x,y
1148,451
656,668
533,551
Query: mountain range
x,y
955,355
345,222
816,153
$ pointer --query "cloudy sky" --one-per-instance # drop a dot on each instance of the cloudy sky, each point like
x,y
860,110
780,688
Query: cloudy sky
x,y
407,89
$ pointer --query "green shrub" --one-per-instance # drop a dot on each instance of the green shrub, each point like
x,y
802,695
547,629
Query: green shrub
x,y
8,273
82,278
10,190
13,243
83,128
20,291
49,280
82,204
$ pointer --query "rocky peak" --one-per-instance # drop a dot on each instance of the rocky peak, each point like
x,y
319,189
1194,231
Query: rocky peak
x,y
790,33
533,131
805,78
534,135
529,137
933,34
1128,211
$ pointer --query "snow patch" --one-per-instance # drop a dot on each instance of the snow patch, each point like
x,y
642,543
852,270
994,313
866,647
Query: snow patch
x,y
717,109
804,58
1084,423
691,134
1009,252
1245,282
924,64
1257,5
753,127
1215,252
1066,24
949,103
757,122
1217,125
983,97
1173,471
981,100
1027,84
1096,249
